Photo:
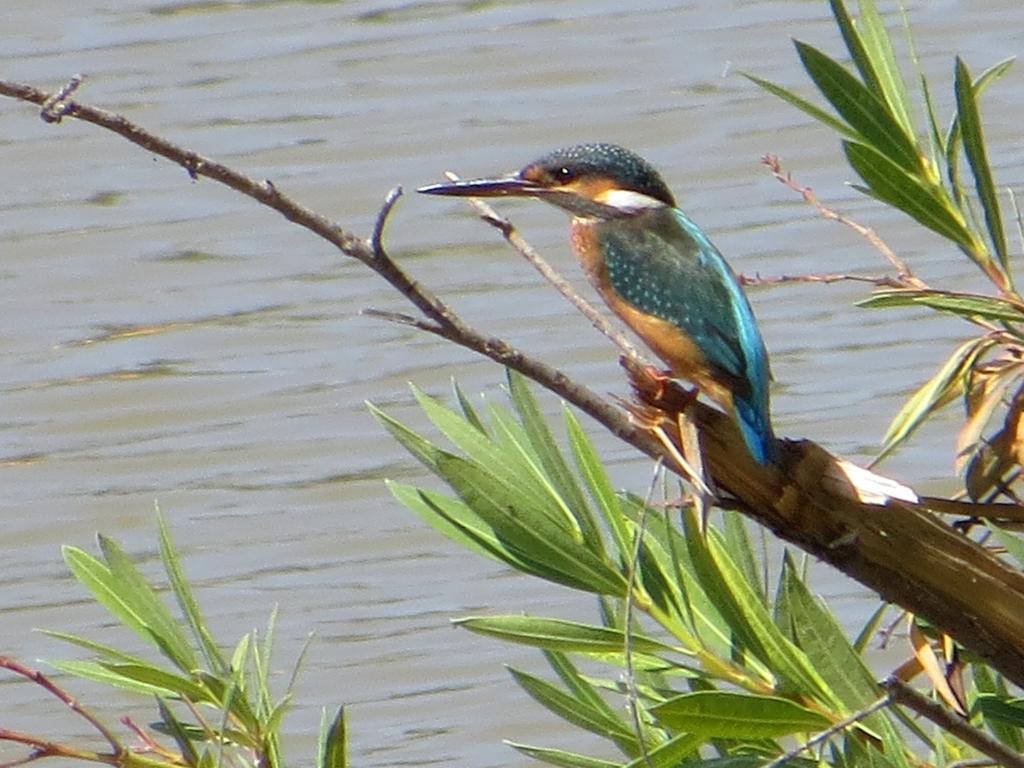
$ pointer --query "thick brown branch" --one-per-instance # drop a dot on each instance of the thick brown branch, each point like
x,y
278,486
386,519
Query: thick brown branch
x,y
898,549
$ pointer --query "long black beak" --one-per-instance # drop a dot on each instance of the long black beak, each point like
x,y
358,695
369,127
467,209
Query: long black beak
x,y
507,187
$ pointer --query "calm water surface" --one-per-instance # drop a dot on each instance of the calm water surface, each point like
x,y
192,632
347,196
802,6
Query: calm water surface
x,y
170,342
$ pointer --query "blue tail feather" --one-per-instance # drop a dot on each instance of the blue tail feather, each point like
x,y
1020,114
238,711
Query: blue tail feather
x,y
757,431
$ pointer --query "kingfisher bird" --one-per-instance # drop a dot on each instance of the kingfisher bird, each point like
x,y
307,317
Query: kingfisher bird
x,y
656,270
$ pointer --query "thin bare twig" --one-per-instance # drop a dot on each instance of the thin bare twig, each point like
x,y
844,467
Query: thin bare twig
x,y
376,238
828,733
906,277
880,281
632,693
57,105
53,689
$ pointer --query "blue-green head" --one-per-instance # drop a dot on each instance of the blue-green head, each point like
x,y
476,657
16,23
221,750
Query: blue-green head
x,y
597,180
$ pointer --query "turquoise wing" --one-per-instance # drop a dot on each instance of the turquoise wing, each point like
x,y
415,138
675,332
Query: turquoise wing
x,y
664,265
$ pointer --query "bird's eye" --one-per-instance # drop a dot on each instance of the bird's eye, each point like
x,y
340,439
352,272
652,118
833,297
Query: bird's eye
x,y
564,174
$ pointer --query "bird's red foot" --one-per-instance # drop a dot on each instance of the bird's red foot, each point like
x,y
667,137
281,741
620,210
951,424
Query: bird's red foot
x,y
657,387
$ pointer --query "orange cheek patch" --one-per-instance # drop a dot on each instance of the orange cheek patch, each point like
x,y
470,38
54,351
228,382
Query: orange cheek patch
x,y
592,188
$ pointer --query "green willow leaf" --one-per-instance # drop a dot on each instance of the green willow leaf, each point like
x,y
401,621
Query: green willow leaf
x,y
456,521
511,437
989,685
559,635
507,462
560,757
554,464
951,146
108,653
131,601
100,673
670,753
529,531
187,601
468,411
746,613
806,107
161,680
879,52
861,108
334,741
940,389
420,447
974,147
737,544
826,645
140,597
731,715
963,304
893,185
178,732
993,707
578,687
598,484
577,712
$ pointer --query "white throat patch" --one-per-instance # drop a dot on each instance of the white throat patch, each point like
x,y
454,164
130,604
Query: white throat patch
x,y
627,200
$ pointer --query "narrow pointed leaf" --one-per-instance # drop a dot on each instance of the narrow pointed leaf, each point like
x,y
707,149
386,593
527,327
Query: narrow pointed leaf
x,y
942,387
750,618
861,108
122,595
893,185
670,753
576,685
577,712
977,156
468,411
107,652
559,635
178,732
456,521
1009,711
137,592
508,464
529,532
729,715
806,107
100,673
737,544
551,458
512,439
826,645
963,304
187,601
420,447
334,742
598,484
988,685
159,679
877,47
560,757
953,140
